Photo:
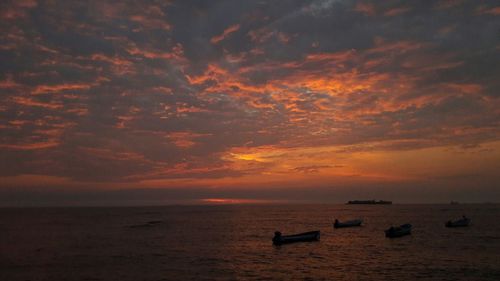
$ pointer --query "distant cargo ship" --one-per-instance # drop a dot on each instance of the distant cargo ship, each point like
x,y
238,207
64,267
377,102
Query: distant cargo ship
x,y
370,202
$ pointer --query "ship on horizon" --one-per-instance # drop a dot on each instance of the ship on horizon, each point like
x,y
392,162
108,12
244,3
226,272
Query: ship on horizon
x,y
370,202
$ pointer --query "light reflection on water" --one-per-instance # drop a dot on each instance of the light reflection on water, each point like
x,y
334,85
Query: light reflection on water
x,y
234,242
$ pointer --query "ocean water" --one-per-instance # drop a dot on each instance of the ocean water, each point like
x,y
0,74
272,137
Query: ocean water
x,y
234,243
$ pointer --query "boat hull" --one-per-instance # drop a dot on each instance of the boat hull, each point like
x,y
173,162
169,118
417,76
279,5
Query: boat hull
x,y
301,237
352,223
458,223
399,231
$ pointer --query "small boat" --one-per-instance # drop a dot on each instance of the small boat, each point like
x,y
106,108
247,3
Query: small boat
x,y
338,224
279,239
402,230
464,221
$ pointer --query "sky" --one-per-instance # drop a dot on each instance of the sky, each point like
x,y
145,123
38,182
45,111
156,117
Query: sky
x,y
186,102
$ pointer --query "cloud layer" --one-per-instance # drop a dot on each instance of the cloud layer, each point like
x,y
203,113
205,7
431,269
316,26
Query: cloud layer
x,y
230,93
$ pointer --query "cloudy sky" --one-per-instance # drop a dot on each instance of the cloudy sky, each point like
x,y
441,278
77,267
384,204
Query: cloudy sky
x,y
133,102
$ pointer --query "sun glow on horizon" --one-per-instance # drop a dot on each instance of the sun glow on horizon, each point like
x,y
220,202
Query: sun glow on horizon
x,y
117,97
230,201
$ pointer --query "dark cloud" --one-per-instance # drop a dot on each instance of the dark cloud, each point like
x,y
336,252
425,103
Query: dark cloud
x,y
103,91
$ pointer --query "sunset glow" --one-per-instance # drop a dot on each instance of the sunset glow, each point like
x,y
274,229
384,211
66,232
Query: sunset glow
x,y
327,99
237,201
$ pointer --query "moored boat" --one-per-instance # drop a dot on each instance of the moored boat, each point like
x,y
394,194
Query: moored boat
x,y
464,221
279,239
350,223
398,231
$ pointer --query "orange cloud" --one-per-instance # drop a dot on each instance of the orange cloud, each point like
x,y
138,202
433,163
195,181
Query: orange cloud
x,y
277,111
8,83
31,146
396,11
180,174
182,108
19,123
150,23
337,57
495,11
79,111
119,65
184,139
43,89
114,154
44,133
31,102
465,88
18,10
176,53
381,46
283,37
34,180
225,34
365,8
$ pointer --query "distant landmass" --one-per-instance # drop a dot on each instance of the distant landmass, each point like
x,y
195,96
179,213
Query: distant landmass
x,y
370,202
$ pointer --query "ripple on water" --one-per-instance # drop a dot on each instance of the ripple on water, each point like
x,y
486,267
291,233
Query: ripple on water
x,y
220,243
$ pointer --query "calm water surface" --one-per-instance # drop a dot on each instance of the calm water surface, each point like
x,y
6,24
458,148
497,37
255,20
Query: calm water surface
x,y
234,243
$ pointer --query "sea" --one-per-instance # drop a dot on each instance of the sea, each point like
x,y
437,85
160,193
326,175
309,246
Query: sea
x,y
233,242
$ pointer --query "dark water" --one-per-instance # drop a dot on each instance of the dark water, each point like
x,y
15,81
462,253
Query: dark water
x,y
234,243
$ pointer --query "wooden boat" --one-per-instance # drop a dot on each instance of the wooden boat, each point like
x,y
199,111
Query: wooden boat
x,y
279,239
402,230
464,221
351,223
